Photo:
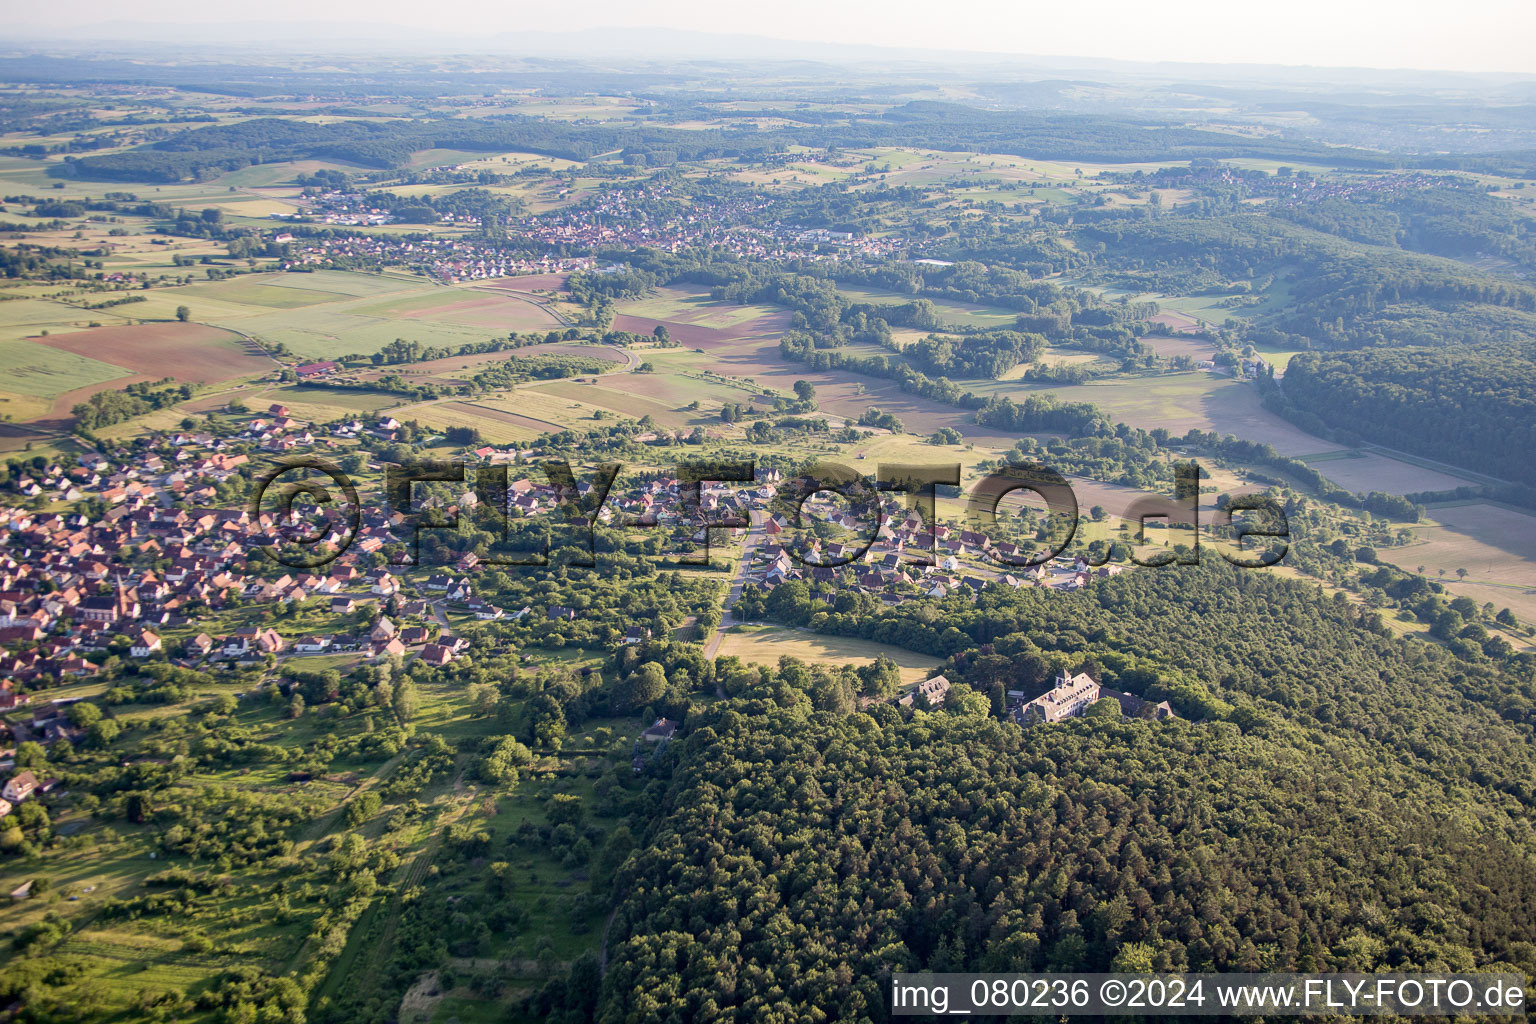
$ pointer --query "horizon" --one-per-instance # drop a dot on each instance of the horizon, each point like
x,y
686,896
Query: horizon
x,y
1419,39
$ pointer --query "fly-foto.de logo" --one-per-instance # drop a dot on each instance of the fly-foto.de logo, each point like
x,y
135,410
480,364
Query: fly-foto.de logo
x,y
315,514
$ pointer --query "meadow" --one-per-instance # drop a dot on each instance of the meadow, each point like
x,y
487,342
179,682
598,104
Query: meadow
x,y
1494,544
767,643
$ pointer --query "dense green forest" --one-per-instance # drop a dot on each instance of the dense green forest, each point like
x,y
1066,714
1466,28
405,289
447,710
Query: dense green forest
x,y
1472,408
807,852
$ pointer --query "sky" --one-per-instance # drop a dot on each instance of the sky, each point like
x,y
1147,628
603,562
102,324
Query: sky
x,y
1478,35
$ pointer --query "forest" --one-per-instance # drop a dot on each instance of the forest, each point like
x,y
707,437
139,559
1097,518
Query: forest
x,y
806,853
1471,408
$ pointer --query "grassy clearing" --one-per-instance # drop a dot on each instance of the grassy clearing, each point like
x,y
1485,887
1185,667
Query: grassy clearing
x,y
766,644
955,313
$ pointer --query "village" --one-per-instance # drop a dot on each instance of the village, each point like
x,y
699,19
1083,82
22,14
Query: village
x,y
168,571
617,218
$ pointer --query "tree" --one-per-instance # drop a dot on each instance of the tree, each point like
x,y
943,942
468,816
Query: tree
x,y
805,391
363,808
962,700
644,686
102,733
183,313
1105,707
504,759
83,715
881,678
405,699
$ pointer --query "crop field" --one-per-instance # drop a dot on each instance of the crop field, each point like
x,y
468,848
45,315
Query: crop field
x,y
459,369
321,404
1180,402
1371,471
188,352
677,305
767,644
529,406
333,313
618,399
1168,346
710,339
496,425
500,312
39,370
1175,322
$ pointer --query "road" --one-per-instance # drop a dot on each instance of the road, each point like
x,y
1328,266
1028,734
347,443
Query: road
x,y
754,540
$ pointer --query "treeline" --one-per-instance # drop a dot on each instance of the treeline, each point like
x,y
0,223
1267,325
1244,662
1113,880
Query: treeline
x,y
108,407
205,152
1454,218
1338,295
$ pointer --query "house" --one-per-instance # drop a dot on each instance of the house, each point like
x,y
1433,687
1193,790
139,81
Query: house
x,y
316,369
636,634
277,409
934,691
391,648
312,644
561,612
251,641
19,787
436,654
199,645
662,729
5,808
343,605
144,644
382,630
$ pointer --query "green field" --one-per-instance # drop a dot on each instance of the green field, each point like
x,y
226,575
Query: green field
x,y
29,368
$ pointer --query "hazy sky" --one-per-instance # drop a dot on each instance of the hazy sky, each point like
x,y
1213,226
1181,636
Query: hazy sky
x,y
1481,35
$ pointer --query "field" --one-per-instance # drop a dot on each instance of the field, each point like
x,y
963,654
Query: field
x,y
1371,471
956,313
48,376
192,353
767,644
327,314
37,375
1496,545
497,426
1168,346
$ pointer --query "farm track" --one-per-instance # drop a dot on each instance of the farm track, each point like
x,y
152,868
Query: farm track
x,y
412,873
